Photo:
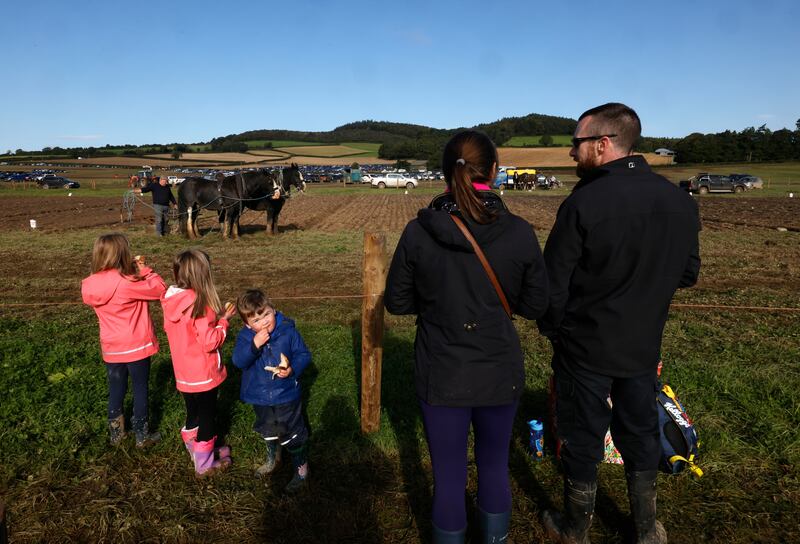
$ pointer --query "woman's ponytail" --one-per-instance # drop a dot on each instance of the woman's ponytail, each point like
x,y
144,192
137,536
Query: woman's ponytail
x,y
469,156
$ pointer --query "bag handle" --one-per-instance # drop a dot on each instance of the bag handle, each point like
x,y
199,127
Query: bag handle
x,y
486,266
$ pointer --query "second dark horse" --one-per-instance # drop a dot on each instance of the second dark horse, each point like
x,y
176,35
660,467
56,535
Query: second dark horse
x,y
230,196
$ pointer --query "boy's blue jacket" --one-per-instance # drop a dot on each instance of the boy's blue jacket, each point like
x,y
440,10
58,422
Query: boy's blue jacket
x,y
258,385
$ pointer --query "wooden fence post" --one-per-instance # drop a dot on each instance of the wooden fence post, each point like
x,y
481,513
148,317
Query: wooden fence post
x,y
375,269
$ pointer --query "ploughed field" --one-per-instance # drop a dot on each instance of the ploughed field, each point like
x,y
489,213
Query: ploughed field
x,y
330,211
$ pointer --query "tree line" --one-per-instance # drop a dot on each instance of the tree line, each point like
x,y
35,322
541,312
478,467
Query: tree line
x,y
750,145
418,142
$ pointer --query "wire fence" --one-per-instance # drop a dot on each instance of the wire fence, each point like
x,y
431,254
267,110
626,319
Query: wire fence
x,y
675,306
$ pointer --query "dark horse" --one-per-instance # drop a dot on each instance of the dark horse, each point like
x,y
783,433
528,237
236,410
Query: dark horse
x,y
526,182
229,196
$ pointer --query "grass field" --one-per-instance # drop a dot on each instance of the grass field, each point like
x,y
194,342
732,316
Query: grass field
x,y
364,146
326,151
522,141
736,371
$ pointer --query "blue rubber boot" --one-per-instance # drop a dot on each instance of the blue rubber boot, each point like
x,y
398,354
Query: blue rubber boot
x,y
440,536
493,527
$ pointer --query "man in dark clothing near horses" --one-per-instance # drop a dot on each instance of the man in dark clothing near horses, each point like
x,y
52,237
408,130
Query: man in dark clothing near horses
x,y
623,242
163,199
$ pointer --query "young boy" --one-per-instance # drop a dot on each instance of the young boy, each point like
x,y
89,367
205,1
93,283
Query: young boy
x,y
272,355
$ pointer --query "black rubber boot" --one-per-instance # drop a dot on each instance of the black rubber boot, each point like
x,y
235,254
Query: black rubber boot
x,y
116,430
273,459
642,495
493,527
440,536
573,526
300,461
141,430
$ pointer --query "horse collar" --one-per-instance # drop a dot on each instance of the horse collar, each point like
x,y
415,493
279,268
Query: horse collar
x,y
278,183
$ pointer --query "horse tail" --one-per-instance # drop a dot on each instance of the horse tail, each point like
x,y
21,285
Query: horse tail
x,y
183,216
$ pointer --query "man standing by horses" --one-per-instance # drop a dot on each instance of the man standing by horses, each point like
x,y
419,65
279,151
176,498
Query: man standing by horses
x,y
623,242
163,199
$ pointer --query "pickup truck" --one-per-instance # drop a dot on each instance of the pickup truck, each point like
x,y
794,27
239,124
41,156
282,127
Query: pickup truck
x,y
713,183
394,180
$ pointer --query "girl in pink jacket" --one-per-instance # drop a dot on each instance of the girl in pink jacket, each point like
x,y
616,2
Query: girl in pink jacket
x,y
196,326
118,290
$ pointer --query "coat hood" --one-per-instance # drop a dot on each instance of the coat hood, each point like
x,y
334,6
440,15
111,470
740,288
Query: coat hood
x,y
176,302
98,288
435,219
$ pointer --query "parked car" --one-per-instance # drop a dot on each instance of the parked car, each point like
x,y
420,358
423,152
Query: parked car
x,y
174,180
753,182
40,176
704,183
394,180
58,182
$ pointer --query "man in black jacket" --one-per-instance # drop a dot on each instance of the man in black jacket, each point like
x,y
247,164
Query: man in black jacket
x,y
162,200
623,242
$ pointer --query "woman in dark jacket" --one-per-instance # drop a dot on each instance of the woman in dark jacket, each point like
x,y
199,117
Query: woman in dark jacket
x,y
468,361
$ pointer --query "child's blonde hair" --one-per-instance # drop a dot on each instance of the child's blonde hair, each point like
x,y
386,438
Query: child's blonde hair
x,y
192,270
113,252
252,302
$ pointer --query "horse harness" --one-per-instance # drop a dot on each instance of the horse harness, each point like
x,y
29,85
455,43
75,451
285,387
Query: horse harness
x,y
277,184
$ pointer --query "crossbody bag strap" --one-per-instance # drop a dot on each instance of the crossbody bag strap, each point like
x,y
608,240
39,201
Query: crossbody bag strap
x,y
486,266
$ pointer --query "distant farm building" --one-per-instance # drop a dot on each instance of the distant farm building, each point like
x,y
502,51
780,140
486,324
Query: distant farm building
x,y
664,152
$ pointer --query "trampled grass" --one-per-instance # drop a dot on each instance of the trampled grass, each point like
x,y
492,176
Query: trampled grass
x,y
736,372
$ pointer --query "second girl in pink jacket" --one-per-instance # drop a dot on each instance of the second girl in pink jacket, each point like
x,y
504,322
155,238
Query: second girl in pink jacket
x,y
196,326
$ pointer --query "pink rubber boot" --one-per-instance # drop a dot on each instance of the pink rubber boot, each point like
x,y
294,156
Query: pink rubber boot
x,y
204,462
189,437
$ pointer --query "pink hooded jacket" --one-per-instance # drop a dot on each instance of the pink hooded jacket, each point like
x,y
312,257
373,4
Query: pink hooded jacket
x,y
126,330
193,343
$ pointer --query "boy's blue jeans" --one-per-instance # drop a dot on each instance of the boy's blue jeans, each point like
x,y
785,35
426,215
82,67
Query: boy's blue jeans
x,y
118,385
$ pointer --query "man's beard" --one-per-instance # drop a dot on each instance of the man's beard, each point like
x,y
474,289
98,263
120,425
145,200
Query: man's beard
x,y
583,168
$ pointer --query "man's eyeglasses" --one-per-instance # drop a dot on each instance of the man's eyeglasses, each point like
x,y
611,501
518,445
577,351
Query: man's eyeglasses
x,y
578,141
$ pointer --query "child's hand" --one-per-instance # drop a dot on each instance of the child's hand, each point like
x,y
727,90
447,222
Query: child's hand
x,y
261,338
229,311
283,370
140,262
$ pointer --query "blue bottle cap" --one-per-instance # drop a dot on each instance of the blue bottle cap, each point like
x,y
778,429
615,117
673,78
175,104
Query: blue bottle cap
x,y
535,425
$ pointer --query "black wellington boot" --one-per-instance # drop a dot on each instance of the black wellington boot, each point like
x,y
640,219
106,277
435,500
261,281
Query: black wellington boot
x,y
116,430
573,526
642,495
493,527
440,536
141,430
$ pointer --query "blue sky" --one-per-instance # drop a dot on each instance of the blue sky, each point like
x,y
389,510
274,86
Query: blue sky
x,y
91,73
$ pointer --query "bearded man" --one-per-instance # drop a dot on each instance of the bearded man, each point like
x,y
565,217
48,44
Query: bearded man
x,y
623,242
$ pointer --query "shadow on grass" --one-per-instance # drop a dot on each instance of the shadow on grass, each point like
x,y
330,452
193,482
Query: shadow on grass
x,y
348,494
399,404
256,229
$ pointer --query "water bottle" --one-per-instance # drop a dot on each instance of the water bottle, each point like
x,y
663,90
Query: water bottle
x,y
537,439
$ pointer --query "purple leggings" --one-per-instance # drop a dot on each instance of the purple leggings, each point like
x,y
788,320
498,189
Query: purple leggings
x,y
447,429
